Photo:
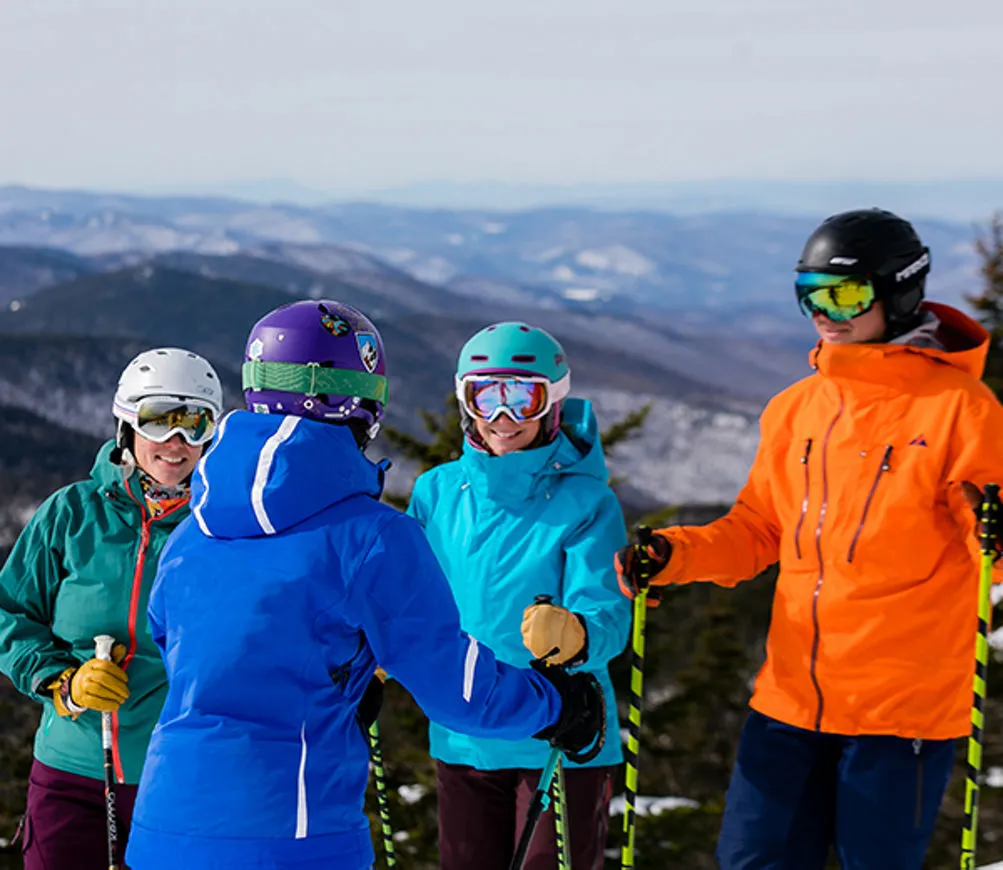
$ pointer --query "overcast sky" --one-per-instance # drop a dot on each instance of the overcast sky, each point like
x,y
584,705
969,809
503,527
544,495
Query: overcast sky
x,y
352,96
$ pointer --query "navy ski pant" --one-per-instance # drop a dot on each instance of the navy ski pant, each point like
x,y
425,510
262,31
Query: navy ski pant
x,y
794,794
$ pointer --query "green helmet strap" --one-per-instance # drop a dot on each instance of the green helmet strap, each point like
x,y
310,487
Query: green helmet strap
x,y
312,379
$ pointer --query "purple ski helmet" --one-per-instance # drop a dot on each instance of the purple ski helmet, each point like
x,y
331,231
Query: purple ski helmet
x,y
319,359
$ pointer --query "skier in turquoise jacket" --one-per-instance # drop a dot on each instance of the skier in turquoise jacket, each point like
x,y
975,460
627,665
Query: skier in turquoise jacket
x,y
525,512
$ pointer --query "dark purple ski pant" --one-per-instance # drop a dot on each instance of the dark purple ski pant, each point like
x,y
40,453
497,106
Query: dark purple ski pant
x,y
65,824
482,813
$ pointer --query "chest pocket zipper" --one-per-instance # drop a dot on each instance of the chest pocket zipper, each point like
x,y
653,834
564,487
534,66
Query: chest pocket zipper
x,y
804,501
884,467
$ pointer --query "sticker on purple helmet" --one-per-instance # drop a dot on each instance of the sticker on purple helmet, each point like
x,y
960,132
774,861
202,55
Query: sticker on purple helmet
x,y
368,352
333,323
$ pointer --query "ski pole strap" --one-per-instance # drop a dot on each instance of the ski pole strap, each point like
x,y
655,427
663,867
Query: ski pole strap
x,y
312,379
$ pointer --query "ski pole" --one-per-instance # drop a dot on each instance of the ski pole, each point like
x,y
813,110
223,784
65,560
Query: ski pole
x,y
990,532
102,650
562,832
636,695
379,776
537,806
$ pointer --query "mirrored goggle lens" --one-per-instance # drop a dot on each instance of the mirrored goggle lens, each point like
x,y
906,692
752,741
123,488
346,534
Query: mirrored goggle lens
x,y
158,421
838,297
524,400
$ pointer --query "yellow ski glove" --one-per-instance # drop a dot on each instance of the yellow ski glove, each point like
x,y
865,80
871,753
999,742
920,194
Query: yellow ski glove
x,y
546,626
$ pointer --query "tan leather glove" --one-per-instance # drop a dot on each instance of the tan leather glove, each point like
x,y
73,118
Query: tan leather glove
x,y
95,685
545,626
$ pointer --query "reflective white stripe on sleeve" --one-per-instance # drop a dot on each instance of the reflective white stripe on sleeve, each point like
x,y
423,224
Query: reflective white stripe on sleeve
x,y
265,458
469,666
301,813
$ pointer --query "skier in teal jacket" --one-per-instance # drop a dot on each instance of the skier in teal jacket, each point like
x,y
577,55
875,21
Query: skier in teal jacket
x,y
525,512
83,566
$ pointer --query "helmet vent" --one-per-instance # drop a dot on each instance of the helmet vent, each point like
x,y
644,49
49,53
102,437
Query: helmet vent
x,y
524,357
145,369
523,328
479,357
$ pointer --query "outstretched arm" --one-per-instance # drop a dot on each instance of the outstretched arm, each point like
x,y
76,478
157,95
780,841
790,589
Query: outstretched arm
x,y
403,602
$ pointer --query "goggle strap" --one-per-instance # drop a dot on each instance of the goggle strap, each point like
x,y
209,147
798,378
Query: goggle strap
x,y
312,379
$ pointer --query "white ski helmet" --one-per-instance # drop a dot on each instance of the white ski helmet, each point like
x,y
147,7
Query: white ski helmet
x,y
167,373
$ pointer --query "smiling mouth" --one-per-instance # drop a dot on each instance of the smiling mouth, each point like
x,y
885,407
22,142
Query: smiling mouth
x,y
172,460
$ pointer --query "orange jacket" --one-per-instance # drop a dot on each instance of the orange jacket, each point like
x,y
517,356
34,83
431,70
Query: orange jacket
x,y
856,490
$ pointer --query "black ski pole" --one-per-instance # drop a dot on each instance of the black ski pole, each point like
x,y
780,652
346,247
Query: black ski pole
x,y
102,650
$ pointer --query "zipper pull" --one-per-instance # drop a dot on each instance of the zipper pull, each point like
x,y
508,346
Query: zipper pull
x,y
885,464
807,451
917,743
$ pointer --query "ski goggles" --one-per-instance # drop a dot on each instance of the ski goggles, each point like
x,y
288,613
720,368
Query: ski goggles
x,y
158,420
838,297
522,398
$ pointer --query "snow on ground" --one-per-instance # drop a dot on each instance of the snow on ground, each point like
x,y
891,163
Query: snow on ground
x,y
651,806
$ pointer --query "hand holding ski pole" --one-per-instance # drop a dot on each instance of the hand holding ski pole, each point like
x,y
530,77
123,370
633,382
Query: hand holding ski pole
x,y
989,522
547,626
103,644
638,563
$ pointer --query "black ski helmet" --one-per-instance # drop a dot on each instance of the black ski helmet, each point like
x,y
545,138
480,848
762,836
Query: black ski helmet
x,y
880,246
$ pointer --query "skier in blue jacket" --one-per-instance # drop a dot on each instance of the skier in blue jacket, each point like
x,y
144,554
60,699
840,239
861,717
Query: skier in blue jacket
x,y
525,512
275,600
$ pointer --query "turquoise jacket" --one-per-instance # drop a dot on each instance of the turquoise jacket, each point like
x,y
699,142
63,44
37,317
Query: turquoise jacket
x,y
508,528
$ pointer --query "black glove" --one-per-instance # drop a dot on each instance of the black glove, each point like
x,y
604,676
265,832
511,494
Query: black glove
x,y
581,729
369,706
629,568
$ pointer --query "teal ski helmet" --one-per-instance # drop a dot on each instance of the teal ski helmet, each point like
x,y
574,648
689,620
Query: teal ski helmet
x,y
521,352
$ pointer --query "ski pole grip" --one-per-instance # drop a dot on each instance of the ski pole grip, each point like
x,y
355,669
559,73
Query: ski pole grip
x,y
102,647
990,517
643,558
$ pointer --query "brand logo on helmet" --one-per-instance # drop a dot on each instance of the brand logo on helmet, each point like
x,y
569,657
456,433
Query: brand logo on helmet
x,y
913,268
256,348
368,352
843,261
333,323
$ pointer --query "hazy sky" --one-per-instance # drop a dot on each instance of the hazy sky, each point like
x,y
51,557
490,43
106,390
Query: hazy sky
x,y
348,96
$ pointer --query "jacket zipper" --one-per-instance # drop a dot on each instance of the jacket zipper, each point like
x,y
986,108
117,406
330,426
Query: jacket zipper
x,y
804,501
137,581
917,749
885,466
816,640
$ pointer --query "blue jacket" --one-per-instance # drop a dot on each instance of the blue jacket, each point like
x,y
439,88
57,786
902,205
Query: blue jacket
x,y
273,603
508,528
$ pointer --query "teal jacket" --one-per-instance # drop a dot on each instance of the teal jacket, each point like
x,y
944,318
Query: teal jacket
x,y
84,566
508,528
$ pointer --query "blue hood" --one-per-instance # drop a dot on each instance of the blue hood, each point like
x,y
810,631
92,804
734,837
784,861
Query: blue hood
x,y
518,476
266,472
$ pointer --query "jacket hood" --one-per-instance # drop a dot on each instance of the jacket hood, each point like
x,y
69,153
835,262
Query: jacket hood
x,y
264,473
959,342
577,450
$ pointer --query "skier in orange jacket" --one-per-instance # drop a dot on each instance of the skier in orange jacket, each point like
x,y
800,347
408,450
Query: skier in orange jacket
x,y
863,487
